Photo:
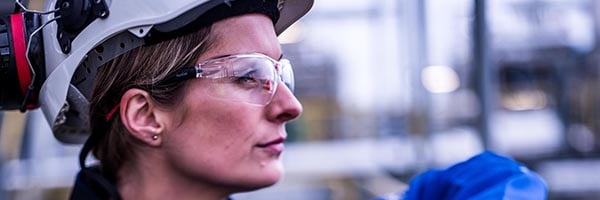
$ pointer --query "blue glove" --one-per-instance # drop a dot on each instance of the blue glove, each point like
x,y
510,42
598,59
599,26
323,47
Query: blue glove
x,y
485,176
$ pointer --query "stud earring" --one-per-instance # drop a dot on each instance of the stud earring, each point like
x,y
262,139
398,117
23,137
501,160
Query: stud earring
x,y
155,137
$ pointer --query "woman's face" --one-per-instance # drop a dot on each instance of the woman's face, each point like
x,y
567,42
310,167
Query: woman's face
x,y
231,144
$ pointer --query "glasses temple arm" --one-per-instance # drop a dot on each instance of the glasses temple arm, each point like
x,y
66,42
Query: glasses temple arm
x,y
182,75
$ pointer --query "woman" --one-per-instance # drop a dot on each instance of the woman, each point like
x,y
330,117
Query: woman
x,y
198,116
201,115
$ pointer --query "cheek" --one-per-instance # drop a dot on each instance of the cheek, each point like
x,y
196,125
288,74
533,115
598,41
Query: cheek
x,y
217,127
215,120
213,133
221,125
215,141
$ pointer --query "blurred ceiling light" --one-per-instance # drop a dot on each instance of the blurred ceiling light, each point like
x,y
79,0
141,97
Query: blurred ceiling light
x,y
524,100
440,79
291,35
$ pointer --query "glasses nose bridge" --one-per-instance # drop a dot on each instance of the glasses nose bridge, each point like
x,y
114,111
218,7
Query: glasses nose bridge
x,y
284,92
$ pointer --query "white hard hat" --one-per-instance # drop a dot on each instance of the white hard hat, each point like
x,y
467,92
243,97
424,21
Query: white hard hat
x,y
118,26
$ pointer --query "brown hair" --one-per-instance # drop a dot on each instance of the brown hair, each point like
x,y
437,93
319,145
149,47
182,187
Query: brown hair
x,y
142,68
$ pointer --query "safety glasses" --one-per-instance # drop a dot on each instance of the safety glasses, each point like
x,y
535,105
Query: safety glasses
x,y
250,78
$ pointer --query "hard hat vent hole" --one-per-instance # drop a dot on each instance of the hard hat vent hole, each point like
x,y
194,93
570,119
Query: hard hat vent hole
x,y
141,31
100,49
122,45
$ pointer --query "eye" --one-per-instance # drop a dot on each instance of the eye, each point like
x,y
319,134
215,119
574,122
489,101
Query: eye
x,y
245,80
248,80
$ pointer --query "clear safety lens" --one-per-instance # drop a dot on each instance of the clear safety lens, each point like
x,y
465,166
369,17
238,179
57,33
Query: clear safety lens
x,y
286,73
250,78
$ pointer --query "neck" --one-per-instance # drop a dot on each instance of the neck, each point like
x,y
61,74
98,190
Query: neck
x,y
151,179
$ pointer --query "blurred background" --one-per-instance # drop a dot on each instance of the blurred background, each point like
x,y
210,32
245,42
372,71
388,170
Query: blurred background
x,y
392,88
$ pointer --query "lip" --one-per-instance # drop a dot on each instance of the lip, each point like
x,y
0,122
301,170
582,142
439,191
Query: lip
x,y
274,147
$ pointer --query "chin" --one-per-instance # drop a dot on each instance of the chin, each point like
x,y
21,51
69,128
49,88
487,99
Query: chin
x,y
257,185
273,178
266,177
272,174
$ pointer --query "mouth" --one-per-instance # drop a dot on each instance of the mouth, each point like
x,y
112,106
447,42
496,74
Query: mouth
x,y
271,143
273,147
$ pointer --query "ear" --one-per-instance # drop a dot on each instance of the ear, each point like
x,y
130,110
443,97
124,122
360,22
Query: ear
x,y
138,114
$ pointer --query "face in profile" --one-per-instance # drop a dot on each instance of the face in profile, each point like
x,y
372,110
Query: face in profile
x,y
231,143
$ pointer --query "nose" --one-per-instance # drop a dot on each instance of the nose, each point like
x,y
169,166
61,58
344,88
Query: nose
x,y
284,106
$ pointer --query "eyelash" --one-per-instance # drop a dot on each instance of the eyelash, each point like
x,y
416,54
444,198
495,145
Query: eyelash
x,y
243,79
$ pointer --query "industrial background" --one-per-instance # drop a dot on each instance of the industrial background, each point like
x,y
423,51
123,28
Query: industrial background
x,y
392,88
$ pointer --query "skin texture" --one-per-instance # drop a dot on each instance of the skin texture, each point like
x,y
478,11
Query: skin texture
x,y
208,148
